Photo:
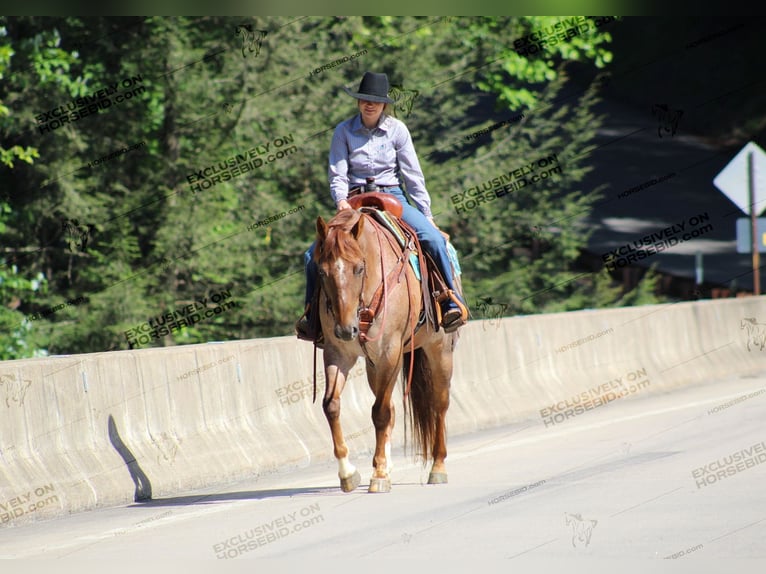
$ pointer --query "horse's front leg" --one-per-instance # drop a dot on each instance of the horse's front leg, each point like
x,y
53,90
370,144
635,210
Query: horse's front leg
x,y
337,368
382,378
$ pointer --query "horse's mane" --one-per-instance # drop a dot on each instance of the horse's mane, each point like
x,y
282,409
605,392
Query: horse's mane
x,y
339,243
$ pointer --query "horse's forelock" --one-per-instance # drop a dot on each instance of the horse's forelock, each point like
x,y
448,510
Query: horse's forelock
x,y
339,243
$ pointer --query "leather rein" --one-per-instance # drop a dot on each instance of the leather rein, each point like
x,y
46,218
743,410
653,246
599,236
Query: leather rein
x,y
367,313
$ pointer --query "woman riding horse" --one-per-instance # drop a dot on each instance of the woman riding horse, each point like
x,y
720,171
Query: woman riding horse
x,y
373,144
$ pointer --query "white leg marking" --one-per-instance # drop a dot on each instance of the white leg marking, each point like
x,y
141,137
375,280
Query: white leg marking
x,y
389,460
345,468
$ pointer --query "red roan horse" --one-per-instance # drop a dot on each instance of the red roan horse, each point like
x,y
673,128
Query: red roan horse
x,y
355,256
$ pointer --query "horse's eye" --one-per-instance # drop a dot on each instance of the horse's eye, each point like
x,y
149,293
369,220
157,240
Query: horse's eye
x,y
359,269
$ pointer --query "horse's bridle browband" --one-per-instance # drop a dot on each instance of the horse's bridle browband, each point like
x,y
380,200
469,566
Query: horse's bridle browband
x,y
367,313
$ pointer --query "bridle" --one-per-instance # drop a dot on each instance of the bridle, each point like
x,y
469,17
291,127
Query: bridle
x,y
366,313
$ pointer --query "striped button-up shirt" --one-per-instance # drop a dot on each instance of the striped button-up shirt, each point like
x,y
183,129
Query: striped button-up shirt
x,y
385,152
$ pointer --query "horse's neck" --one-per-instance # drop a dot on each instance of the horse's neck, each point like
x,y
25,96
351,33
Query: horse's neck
x,y
377,250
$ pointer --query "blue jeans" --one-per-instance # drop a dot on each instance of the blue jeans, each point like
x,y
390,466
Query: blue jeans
x,y
431,240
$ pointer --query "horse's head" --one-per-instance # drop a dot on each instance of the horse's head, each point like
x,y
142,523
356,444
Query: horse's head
x,y
341,263
746,321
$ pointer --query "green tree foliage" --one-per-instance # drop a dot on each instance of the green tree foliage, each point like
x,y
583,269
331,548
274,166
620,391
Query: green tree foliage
x,y
108,211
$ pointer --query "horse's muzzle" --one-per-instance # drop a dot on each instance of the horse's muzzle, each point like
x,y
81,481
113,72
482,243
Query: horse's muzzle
x,y
346,333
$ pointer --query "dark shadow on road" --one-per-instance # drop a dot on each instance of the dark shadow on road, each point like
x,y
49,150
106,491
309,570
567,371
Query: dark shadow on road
x,y
212,498
143,485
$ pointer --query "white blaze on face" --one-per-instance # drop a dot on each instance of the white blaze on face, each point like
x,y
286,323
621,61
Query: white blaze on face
x,y
344,302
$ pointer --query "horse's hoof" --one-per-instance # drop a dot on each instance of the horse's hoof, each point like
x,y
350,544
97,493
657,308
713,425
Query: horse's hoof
x,y
380,485
437,478
350,483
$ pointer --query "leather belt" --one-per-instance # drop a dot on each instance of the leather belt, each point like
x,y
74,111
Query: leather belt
x,y
360,189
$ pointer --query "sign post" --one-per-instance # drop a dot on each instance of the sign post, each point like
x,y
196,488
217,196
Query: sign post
x,y
743,181
753,226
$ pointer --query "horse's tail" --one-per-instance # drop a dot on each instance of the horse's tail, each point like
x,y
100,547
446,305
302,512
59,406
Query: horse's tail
x,y
422,415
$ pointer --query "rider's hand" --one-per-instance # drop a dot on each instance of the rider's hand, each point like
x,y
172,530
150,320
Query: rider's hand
x,y
343,204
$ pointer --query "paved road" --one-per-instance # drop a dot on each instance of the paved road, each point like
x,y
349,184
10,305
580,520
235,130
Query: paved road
x,y
638,142
637,480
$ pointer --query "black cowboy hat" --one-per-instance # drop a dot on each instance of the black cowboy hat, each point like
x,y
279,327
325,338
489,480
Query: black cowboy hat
x,y
373,88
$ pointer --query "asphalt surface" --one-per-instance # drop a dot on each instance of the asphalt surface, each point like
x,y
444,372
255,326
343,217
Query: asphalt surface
x,y
640,141
637,480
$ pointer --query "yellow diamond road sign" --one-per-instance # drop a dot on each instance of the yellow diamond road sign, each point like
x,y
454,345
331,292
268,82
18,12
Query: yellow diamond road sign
x,y
733,179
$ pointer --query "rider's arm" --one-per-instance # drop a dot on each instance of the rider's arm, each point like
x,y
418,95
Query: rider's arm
x,y
409,168
337,171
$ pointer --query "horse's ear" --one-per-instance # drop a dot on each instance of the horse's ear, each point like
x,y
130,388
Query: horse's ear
x,y
321,228
356,231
